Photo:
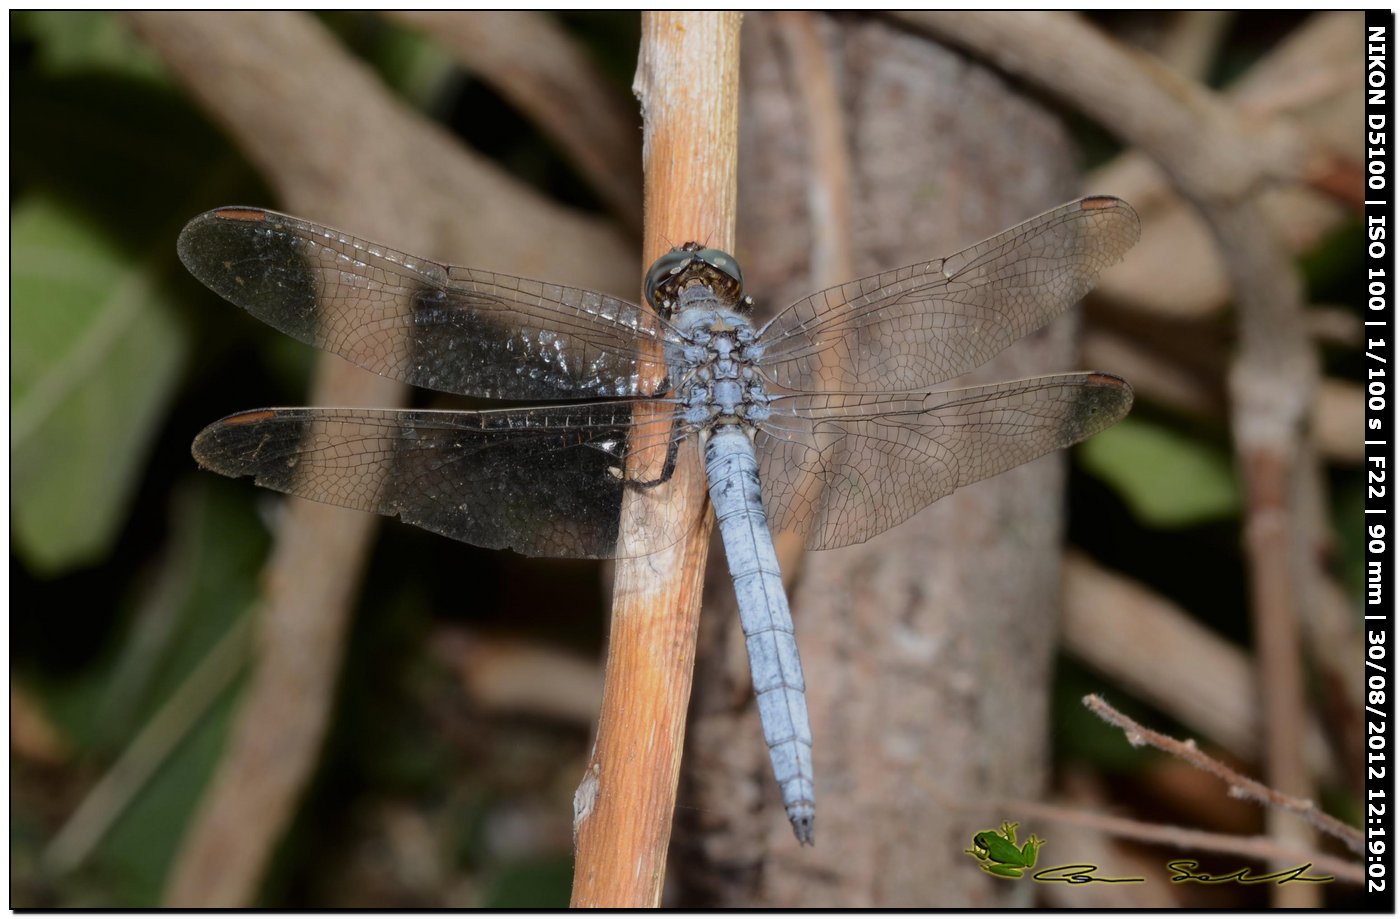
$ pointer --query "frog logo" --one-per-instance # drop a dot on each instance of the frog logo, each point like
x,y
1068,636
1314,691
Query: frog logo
x,y
999,855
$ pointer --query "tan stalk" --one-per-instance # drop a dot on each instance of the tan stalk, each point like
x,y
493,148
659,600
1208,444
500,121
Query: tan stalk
x,y
688,83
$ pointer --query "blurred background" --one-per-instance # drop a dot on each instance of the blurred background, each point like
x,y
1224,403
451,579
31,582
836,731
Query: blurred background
x,y
446,719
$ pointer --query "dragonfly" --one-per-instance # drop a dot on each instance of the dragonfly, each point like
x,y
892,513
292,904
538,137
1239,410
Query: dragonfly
x,y
824,421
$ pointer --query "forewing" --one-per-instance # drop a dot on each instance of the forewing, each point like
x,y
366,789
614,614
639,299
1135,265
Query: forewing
x,y
923,324
542,481
451,329
839,468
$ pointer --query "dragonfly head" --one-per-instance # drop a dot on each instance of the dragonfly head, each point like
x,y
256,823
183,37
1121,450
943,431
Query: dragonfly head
x,y
692,265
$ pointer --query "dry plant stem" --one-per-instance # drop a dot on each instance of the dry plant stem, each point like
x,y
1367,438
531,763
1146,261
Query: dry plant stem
x,y
1271,385
1193,39
687,81
1306,79
339,149
529,59
1255,847
1145,643
828,188
1341,179
1240,786
1335,414
1219,167
1081,790
510,676
1196,139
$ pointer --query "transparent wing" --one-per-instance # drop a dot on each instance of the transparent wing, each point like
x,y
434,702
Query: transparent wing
x,y
541,481
920,325
442,327
839,468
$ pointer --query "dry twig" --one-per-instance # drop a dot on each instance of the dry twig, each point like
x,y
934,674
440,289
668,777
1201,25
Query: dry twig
x,y
1145,643
520,677
829,178
1335,414
1240,786
1192,39
533,62
688,82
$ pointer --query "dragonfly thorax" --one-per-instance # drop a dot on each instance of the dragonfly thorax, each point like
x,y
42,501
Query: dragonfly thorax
x,y
716,365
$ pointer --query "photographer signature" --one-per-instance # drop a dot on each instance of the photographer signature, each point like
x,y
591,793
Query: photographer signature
x,y
999,854
1183,871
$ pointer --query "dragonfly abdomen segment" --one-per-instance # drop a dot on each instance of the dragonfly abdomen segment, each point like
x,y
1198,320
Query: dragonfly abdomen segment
x,y
763,612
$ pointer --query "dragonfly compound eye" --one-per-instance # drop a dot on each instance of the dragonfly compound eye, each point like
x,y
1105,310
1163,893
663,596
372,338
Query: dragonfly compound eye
x,y
724,262
722,275
666,269
678,269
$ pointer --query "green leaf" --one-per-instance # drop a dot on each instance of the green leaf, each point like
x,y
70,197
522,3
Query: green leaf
x,y
1167,479
202,582
420,70
78,41
138,852
96,351
200,588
